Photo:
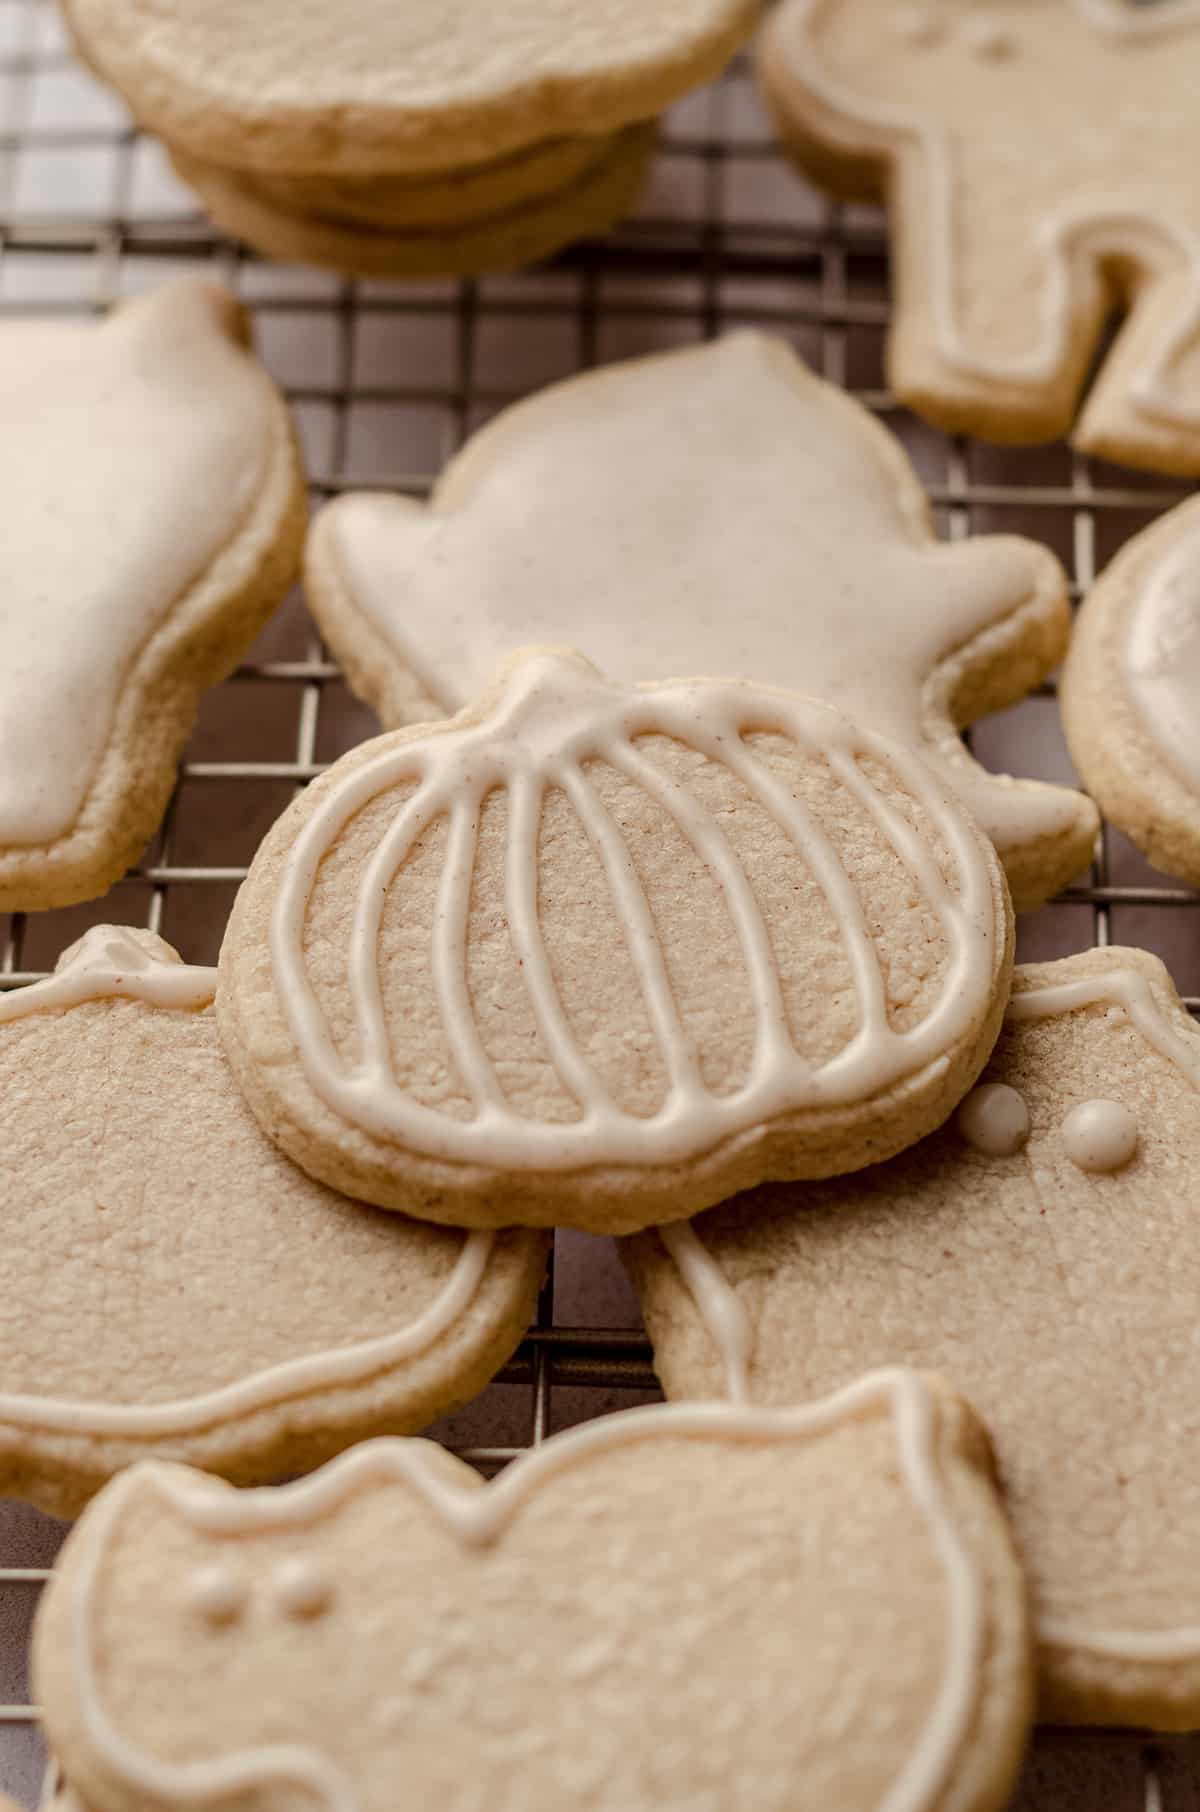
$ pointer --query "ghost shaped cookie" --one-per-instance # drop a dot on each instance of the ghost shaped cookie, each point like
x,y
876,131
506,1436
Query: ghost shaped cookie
x,y
154,514
1043,1250
666,1609
587,951
713,510
1130,692
1038,165
173,1285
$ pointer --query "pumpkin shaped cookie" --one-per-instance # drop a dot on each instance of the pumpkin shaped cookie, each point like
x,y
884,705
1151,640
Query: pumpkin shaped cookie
x,y
586,952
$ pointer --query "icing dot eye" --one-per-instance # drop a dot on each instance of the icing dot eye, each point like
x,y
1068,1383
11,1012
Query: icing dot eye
x,y
917,24
300,1587
216,1595
1100,1135
986,38
994,1119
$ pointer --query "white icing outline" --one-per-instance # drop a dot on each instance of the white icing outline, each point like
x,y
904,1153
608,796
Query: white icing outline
x,y
554,713
1149,393
479,1516
1170,585
710,1289
109,962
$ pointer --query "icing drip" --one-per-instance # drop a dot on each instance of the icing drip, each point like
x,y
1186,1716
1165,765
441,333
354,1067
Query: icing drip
x,y
480,1516
554,715
1100,1136
113,962
994,1119
720,1306
301,1588
1131,994
1162,656
216,1595
1151,390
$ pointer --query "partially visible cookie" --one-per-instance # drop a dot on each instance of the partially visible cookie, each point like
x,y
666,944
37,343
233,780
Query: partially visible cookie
x,y
586,206
666,1610
173,1285
586,952
1130,692
714,510
1044,1250
423,86
1037,161
154,515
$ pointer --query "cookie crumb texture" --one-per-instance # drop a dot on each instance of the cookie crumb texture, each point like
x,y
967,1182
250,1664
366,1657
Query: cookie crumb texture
x,y
173,1285
587,953
1058,1297
611,1624
1030,158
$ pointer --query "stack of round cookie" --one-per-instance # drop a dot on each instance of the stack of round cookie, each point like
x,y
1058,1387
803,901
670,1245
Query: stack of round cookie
x,y
423,139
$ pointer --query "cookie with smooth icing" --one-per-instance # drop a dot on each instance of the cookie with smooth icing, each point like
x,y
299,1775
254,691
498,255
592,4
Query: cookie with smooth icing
x,y
155,510
173,1285
1036,160
1044,1251
583,208
587,951
715,510
1130,692
424,86
667,1609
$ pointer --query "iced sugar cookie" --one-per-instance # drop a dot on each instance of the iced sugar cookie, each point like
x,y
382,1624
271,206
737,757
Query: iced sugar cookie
x,y
266,84
668,1609
716,510
1043,1248
1131,692
588,951
589,205
154,511
173,1285
1025,207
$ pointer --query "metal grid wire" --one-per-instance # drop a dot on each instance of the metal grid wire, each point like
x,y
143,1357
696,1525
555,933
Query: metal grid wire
x,y
386,381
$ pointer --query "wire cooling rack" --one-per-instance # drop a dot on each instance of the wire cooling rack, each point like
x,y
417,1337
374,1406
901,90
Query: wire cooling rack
x,y
386,380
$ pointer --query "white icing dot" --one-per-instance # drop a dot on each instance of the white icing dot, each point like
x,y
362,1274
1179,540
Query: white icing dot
x,y
301,1588
986,38
216,1594
994,1119
1100,1135
917,24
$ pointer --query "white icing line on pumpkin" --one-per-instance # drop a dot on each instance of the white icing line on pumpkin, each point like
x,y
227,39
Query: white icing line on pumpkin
x,y
722,1315
554,715
1151,389
479,1517
110,962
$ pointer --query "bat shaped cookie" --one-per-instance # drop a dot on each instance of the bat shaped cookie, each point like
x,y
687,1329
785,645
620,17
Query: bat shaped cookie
x,y
154,513
717,510
1043,1250
173,1285
668,1609
1039,165
587,951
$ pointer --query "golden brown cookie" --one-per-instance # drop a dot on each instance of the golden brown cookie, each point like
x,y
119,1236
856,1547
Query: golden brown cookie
x,y
1043,1250
664,1610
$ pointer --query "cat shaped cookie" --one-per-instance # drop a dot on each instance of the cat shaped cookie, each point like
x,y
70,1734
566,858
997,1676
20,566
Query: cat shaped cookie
x,y
588,951
1038,163
667,1609
154,514
173,1285
1131,689
714,510
1043,1249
